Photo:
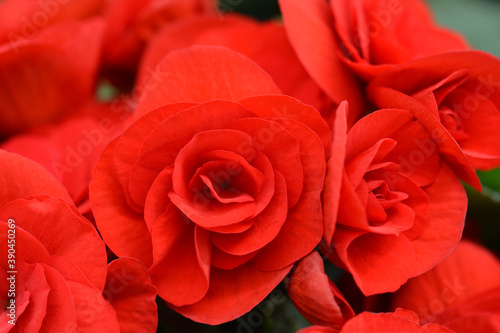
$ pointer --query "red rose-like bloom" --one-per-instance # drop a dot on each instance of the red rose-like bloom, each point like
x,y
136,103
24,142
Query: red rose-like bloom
x,y
461,293
399,321
220,197
393,207
369,36
454,95
58,260
265,43
34,73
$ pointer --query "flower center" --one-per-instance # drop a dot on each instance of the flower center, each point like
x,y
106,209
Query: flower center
x,y
453,123
380,200
219,180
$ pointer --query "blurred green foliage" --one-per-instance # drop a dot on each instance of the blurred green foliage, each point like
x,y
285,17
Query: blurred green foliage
x,y
477,20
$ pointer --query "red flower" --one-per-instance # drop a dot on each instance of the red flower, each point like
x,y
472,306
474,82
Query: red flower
x,y
265,43
222,197
393,207
35,72
455,95
369,36
57,261
399,321
461,293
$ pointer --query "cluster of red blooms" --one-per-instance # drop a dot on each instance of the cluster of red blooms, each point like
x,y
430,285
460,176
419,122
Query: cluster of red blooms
x,y
234,154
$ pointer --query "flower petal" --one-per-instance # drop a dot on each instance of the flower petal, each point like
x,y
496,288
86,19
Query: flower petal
x,y
286,107
221,304
218,72
309,26
22,177
123,229
132,295
181,269
468,271
75,238
445,223
334,173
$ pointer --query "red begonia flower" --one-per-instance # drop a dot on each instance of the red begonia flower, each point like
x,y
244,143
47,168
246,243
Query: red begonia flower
x,y
53,262
393,208
33,74
22,177
218,193
456,95
369,36
461,293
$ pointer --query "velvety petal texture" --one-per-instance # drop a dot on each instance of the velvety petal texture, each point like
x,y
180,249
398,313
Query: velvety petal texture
x,y
70,150
22,177
461,292
399,321
218,73
310,28
366,37
393,221
266,43
131,294
33,73
221,198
